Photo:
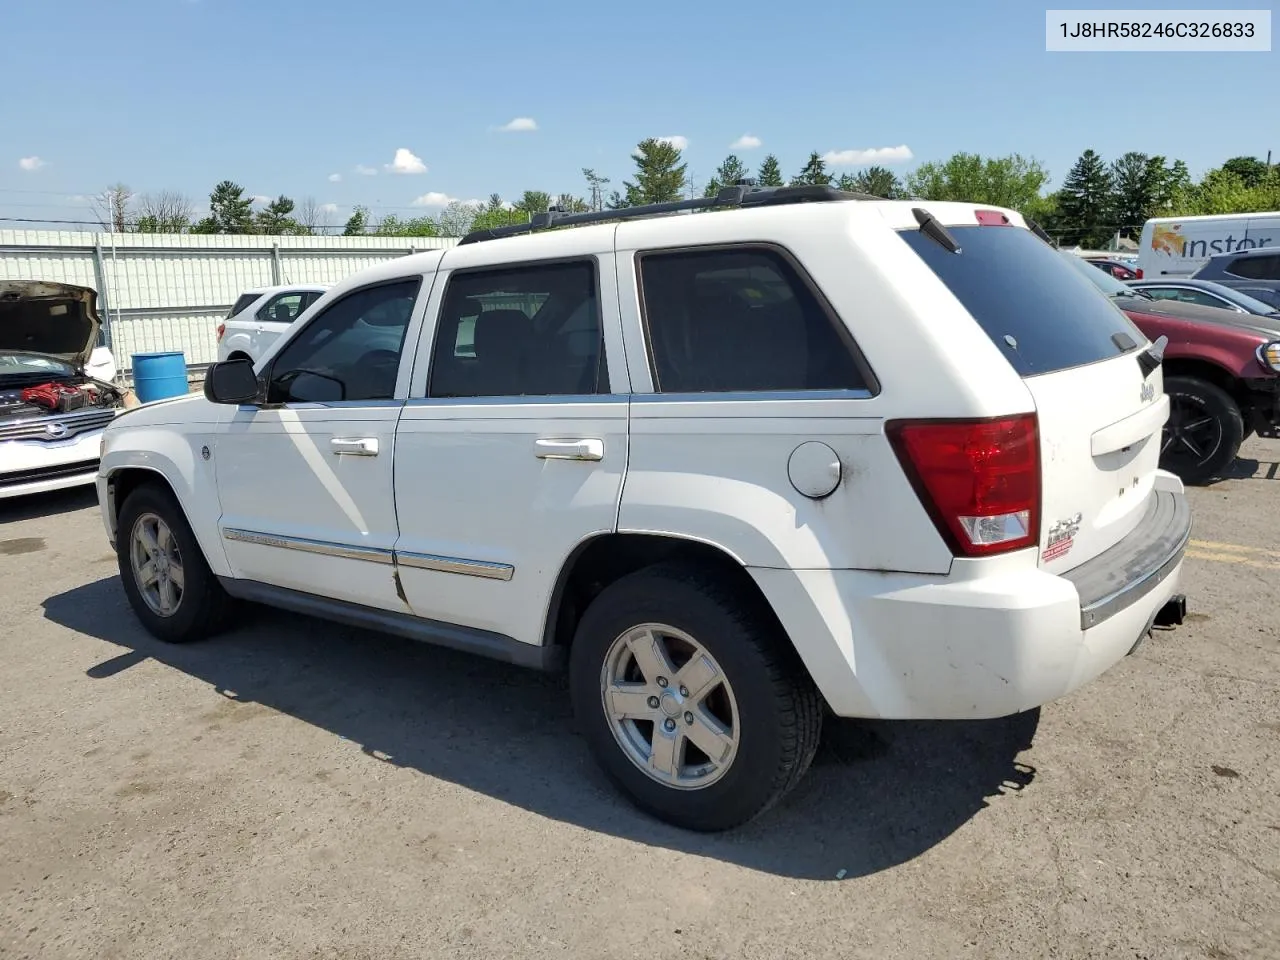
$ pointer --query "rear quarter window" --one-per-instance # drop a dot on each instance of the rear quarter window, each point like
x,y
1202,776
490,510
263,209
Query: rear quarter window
x,y
1042,314
242,304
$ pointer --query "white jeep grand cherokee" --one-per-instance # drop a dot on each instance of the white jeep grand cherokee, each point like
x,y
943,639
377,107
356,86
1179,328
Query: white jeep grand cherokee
x,y
817,452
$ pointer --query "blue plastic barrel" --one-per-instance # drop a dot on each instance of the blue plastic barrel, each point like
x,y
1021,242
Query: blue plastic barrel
x,y
158,376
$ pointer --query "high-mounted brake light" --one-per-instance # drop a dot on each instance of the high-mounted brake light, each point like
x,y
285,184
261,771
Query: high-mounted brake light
x,y
992,218
978,479
222,328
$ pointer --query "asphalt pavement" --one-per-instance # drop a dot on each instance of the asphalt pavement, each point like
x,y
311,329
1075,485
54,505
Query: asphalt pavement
x,y
301,790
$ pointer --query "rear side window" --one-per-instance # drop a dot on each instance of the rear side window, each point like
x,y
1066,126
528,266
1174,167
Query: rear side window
x,y
242,304
1042,314
1257,268
740,320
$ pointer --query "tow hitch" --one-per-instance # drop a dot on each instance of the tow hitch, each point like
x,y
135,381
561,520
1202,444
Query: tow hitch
x,y
1173,612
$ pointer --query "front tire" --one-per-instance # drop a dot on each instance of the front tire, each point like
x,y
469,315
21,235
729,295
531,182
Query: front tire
x,y
690,699
164,573
1204,431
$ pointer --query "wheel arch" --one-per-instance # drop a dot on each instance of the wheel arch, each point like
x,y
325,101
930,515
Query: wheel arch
x,y
1211,372
124,478
604,558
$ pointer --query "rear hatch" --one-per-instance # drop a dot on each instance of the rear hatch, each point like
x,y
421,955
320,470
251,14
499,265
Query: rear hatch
x,y
1098,394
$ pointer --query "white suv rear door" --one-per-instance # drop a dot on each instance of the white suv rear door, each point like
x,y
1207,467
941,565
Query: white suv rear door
x,y
512,447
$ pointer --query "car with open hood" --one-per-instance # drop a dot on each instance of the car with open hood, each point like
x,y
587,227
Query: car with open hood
x,y
56,394
1221,372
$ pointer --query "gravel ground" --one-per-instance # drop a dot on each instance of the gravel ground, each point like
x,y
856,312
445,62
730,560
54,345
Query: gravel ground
x,y
298,790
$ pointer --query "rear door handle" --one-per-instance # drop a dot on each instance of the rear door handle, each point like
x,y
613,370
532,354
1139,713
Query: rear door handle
x,y
355,446
588,448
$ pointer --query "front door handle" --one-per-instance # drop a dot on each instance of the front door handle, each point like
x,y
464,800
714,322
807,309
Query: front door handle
x,y
587,448
355,446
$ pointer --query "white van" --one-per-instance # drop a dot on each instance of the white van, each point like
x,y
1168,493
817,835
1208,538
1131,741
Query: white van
x,y
1178,246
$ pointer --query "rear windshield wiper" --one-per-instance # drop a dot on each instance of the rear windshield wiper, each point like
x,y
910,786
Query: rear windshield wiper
x,y
932,228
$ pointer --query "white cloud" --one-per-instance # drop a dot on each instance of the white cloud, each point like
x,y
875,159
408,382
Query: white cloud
x,y
434,199
862,158
31,164
335,178
259,198
746,142
328,208
366,171
678,142
406,161
437,199
519,125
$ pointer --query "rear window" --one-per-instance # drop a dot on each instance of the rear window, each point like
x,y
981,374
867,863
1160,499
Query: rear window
x,y
242,304
1257,268
1042,314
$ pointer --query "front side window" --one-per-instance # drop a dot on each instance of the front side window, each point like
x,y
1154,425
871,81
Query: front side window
x,y
740,319
350,351
282,308
529,330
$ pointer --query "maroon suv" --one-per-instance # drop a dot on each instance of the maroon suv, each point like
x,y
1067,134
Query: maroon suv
x,y
1221,372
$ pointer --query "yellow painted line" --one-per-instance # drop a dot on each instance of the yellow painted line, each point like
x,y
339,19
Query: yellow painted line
x,y
1232,548
1237,558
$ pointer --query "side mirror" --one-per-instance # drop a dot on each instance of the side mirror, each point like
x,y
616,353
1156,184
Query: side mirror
x,y
231,381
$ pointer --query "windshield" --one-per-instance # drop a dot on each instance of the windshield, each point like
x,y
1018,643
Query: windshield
x,y
33,365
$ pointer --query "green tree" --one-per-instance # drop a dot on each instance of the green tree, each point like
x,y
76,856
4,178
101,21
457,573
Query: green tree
x,y
457,219
393,226
876,181
497,213
616,201
1084,202
770,174
813,173
533,201
597,184
660,173
726,175
357,223
229,211
1138,184
277,218
1013,181
568,203
1251,171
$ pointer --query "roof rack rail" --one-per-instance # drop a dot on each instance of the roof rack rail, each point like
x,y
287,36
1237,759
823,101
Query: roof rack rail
x,y
743,193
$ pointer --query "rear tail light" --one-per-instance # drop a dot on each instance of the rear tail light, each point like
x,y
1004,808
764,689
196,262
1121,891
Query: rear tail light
x,y
222,328
1138,273
979,479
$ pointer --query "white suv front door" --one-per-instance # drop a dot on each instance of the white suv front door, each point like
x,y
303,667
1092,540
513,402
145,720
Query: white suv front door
x,y
305,480
512,447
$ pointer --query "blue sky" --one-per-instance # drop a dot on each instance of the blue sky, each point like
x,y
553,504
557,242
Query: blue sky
x,y
281,95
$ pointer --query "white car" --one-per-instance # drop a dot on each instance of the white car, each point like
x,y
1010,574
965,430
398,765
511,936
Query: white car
x,y
56,394
260,316
735,471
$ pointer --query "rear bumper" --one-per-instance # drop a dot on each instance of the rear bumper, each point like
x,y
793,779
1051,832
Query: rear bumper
x,y
992,639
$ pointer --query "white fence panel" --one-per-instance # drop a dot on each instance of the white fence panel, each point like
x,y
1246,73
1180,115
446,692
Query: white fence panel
x,y
168,292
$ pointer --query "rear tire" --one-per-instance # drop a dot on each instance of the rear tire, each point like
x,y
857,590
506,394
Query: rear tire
x,y
1204,432
713,729
163,571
